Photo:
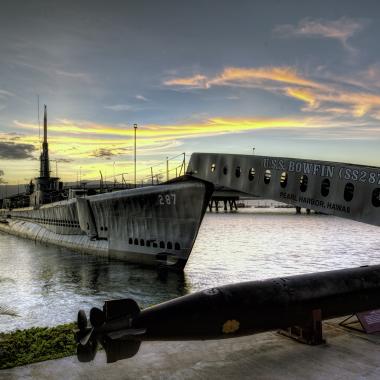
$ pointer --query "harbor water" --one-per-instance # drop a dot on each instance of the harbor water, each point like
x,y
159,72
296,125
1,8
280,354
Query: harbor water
x,y
46,285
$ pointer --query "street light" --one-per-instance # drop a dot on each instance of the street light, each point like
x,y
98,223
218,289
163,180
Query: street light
x,y
135,127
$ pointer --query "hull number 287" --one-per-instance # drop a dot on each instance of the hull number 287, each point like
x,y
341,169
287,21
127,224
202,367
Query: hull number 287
x,y
166,199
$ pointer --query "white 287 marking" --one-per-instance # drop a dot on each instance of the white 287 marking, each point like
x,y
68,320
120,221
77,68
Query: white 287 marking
x,y
166,199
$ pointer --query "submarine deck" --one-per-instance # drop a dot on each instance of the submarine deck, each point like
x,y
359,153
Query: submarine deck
x,y
346,355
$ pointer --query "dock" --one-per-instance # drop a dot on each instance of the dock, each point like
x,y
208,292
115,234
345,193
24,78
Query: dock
x,y
346,355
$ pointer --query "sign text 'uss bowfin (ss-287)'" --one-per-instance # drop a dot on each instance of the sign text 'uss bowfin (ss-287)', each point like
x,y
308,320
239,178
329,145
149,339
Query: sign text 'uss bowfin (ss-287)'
x,y
345,190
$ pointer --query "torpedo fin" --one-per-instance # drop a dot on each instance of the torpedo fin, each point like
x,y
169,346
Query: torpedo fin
x,y
120,308
127,333
119,349
87,352
84,339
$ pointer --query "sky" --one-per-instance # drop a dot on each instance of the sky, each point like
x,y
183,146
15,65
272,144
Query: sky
x,y
288,78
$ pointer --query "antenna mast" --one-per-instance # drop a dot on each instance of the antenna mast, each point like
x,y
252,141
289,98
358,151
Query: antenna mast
x,y
39,124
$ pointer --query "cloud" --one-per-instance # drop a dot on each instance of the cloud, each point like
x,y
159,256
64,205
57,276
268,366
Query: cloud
x,y
89,133
340,30
65,160
97,145
74,75
304,95
142,98
326,94
119,107
245,77
10,150
103,152
5,94
196,81
86,138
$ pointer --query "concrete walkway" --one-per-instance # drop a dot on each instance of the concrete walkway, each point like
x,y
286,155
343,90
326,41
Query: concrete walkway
x,y
347,355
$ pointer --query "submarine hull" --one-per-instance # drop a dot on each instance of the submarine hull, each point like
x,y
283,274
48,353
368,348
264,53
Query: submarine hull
x,y
154,225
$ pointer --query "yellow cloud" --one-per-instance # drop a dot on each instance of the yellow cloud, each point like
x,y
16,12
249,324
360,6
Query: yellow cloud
x,y
95,147
303,94
82,139
90,133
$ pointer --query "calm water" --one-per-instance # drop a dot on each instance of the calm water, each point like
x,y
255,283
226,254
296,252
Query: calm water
x,y
46,285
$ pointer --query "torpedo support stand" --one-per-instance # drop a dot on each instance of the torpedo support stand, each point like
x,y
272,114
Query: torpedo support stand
x,y
309,333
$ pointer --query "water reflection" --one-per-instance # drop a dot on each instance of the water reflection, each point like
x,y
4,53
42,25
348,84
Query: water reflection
x,y
47,285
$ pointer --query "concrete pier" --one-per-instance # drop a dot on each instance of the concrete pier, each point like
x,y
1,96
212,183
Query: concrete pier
x,y
346,355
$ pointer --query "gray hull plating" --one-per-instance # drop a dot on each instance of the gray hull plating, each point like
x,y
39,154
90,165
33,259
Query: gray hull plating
x,y
154,225
39,233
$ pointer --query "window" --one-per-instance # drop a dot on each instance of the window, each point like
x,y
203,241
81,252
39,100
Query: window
x,y
251,174
136,241
349,192
130,241
303,183
376,197
177,246
213,166
225,170
325,187
162,244
284,179
142,243
237,172
267,176
169,245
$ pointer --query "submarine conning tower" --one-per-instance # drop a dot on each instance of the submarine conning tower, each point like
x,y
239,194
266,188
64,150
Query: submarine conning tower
x,y
47,189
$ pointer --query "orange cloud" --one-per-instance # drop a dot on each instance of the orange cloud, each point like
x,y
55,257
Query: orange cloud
x,y
240,76
254,76
289,82
196,81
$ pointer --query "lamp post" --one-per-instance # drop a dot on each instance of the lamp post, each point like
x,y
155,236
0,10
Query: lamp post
x,y
114,178
135,127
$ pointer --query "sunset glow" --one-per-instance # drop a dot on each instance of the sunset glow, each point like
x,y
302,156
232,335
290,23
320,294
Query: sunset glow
x,y
297,84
